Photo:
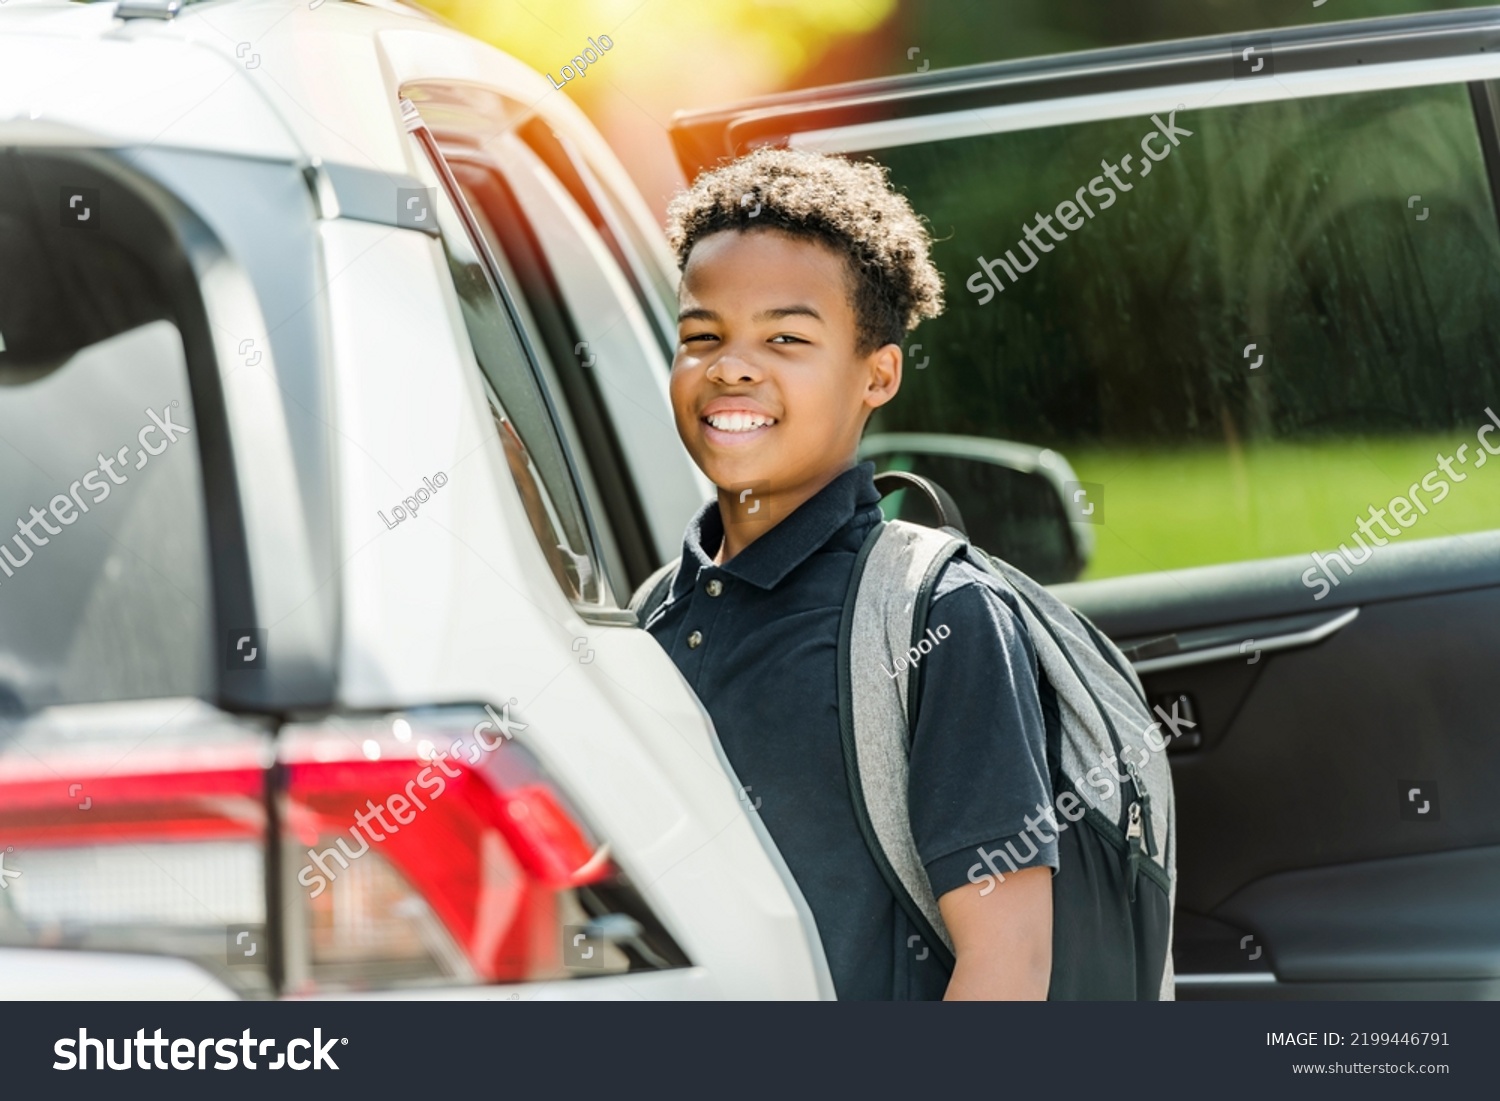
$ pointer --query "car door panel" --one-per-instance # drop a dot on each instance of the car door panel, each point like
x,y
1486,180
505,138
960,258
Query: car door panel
x,y
1293,824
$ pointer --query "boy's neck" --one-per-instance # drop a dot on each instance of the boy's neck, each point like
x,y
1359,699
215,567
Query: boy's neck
x,y
738,536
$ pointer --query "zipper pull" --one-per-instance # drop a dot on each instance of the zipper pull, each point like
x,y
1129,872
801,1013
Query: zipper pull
x,y
1132,839
1150,842
1140,789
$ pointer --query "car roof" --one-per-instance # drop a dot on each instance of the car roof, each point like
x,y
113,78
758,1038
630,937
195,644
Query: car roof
x,y
703,137
295,80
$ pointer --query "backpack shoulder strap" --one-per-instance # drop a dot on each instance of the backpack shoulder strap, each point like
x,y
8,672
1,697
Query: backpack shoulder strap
x,y
653,592
893,577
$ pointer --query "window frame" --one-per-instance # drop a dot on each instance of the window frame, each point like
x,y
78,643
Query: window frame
x,y
552,335
218,276
613,607
640,495
562,157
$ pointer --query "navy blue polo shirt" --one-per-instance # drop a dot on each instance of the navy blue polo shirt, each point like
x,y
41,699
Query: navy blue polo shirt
x,y
757,639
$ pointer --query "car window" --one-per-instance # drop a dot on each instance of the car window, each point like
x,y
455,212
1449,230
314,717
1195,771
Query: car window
x,y
551,341
105,582
524,421
593,296
602,342
1268,320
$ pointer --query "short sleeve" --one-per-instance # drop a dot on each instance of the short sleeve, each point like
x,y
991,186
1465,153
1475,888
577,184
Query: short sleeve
x,y
979,791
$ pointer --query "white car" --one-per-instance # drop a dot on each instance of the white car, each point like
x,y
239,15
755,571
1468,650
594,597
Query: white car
x,y
333,420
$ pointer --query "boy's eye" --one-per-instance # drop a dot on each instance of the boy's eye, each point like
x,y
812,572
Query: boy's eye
x,y
787,338
698,336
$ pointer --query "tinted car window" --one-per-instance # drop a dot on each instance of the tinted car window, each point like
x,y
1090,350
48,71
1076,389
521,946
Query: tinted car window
x,y
523,421
1352,240
104,567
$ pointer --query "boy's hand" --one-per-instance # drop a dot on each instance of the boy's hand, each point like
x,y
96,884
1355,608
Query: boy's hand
x,y
1002,940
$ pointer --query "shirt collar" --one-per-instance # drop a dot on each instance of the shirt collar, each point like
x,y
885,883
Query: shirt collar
x,y
765,562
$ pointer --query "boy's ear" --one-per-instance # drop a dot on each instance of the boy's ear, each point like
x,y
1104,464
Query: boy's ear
x,y
884,365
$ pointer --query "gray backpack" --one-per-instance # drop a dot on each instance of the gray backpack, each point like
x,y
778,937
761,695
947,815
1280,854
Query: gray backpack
x,y
1113,813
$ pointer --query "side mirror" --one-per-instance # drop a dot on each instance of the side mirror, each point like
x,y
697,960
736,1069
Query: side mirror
x,y
1012,496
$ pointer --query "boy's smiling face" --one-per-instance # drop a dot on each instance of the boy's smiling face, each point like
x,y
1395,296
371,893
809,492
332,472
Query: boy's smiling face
x,y
769,387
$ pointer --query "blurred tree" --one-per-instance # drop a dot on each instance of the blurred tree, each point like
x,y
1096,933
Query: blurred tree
x,y
671,55
967,32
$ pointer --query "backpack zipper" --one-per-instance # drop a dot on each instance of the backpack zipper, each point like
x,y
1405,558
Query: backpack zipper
x,y
1132,838
1138,833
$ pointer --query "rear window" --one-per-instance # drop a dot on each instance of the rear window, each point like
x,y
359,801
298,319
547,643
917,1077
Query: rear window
x,y
104,567
1240,347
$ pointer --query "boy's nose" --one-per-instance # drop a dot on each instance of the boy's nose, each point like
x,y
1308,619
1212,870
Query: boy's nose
x,y
731,369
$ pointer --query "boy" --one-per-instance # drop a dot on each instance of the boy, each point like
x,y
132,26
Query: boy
x,y
801,276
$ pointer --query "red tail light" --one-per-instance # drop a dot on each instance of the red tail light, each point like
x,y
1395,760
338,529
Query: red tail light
x,y
465,820
138,827
422,848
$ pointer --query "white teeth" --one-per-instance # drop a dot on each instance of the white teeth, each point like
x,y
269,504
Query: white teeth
x,y
738,422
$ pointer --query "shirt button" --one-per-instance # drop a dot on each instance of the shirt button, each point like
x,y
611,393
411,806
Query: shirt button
x,y
714,587
694,640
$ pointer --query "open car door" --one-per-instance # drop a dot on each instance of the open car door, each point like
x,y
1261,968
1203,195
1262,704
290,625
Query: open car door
x,y
1250,289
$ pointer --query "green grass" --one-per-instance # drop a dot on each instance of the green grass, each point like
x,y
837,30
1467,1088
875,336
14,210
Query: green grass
x,y
1192,507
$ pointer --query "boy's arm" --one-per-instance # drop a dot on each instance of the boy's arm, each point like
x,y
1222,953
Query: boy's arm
x,y
1003,940
979,771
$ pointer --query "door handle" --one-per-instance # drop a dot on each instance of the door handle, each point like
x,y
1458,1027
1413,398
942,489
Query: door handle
x,y
1290,640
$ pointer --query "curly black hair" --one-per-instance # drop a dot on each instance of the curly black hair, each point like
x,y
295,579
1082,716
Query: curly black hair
x,y
847,205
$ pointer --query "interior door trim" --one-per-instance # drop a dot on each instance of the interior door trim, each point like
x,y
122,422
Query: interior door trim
x,y
1292,640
